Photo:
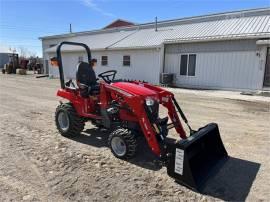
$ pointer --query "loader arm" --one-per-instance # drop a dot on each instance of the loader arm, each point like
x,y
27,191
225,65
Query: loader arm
x,y
137,103
148,128
167,100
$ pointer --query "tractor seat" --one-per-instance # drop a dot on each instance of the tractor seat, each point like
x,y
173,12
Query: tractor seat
x,y
86,80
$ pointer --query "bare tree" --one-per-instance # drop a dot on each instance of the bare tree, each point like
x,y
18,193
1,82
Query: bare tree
x,y
32,54
23,52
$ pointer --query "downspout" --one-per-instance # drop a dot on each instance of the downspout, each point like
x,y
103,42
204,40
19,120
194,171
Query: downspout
x,y
163,57
162,60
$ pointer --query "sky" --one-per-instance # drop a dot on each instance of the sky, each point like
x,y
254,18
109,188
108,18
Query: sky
x,y
22,22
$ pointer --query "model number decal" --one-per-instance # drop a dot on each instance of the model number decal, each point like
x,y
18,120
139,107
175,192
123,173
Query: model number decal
x,y
179,161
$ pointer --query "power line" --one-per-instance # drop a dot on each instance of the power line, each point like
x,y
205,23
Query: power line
x,y
13,39
18,45
31,30
2,22
35,30
20,38
34,26
65,29
26,26
22,44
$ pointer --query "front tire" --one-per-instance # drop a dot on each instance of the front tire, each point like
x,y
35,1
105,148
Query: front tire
x,y
123,143
68,123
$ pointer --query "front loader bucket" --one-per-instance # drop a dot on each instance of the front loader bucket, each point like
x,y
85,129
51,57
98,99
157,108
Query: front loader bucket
x,y
193,160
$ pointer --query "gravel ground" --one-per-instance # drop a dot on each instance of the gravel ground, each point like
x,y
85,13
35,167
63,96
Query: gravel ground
x,y
37,164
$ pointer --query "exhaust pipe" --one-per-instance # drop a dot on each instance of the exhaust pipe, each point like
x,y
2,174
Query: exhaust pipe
x,y
191,161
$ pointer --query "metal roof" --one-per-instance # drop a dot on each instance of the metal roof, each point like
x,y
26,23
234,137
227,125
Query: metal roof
x,y
97,41
247,24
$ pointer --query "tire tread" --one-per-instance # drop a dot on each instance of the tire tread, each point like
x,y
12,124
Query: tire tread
x,y
130,139
76,122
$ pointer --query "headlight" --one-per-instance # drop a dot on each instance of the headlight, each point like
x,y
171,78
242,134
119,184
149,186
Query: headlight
x,y
149,102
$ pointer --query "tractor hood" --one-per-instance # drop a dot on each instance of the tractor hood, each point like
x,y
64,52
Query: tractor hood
x,y
135,89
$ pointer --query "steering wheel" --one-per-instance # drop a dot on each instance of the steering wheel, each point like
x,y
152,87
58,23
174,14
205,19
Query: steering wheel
x,y
108,76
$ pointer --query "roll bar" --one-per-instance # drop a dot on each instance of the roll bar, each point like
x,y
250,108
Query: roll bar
x,y
59,58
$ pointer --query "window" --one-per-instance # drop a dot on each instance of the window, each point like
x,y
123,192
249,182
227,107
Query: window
x,y
183,65
191,64
104,60
126,60
188,64
80,59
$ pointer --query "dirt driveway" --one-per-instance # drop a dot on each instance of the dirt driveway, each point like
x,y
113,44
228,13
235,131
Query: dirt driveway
x,y
37,164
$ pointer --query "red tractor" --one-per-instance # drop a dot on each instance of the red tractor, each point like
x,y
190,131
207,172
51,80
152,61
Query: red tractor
x,y
129,109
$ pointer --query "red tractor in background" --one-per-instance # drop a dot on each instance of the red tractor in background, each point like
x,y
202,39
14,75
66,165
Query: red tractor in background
x,y
129,109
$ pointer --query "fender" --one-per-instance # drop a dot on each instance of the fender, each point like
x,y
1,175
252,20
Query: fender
x,y
81,105
66,94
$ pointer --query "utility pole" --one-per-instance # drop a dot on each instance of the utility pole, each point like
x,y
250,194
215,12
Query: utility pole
x,y
70,28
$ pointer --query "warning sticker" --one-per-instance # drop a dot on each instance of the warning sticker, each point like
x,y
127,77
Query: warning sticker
x,y
179,161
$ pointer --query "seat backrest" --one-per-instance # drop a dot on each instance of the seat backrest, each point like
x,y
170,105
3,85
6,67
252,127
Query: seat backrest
x,y
85,74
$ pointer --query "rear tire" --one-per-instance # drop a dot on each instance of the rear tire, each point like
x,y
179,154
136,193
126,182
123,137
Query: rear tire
x,y
123,143
68,123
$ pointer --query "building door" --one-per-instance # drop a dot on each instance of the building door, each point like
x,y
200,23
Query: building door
x,y
266,82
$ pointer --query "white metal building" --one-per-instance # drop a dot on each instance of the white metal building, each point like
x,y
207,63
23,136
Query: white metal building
x,y
219,51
